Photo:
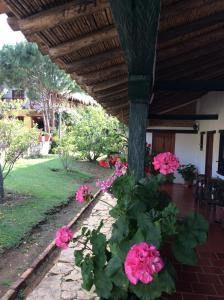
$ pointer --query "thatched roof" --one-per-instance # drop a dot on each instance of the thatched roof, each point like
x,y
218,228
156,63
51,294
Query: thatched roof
x,y
83,40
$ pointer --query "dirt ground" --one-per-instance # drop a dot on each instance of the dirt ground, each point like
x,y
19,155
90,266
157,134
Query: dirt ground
x,y
15,261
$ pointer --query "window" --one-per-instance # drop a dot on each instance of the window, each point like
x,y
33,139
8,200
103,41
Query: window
x,y
18,94
221,153
202,140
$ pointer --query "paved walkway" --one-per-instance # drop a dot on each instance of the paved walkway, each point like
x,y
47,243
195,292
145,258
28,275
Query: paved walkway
x,y
202,282
63,281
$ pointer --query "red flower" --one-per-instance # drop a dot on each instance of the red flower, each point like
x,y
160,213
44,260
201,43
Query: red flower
x,y
148,145
114,159
125,164
146,169
104,164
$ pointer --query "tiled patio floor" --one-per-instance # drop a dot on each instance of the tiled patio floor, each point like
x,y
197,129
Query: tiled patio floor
x,y
204,282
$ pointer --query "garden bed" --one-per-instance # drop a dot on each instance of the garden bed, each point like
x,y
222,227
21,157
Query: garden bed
x,y
14,261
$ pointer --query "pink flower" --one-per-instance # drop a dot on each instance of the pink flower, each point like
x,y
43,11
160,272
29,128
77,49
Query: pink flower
x,y
120,169
104,185
83,194
63,237
148,145
141,262
166,163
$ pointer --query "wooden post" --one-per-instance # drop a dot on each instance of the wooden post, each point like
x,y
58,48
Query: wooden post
x,y
137,24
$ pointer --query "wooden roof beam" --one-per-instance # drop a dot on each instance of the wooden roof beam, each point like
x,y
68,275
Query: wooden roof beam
x,y
56,16
110,83
207,21
211,50
114,98
182,117
191,45
81,64
190,85
123,88
3,7
107,72
89,39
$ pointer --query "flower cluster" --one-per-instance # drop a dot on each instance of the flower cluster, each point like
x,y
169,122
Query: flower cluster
x,y
63,237
113,158
104,185
104,163
83,194
142,261
120,168
166,163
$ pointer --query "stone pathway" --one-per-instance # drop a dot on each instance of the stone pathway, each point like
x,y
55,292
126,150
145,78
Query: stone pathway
x,y
63,281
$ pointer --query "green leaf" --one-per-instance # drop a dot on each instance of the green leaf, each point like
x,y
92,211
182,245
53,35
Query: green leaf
x,y
162,283
120,279
118,294
113,266
98,241
184,255
78,257
87,273
103,284
120,229
151,231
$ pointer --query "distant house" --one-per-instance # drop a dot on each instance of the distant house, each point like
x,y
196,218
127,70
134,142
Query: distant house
x,y
32,112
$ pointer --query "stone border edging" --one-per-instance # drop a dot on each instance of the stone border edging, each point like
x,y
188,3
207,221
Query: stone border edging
x,y
20,283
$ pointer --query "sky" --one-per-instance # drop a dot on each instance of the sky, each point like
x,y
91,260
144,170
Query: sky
x,y
7,35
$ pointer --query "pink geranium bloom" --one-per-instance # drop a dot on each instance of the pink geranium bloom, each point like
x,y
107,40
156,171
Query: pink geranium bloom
x,y
63,237
120,169
104,185
141,262
166,163
83,193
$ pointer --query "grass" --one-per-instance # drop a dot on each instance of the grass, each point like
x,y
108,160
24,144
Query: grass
x,y
46,190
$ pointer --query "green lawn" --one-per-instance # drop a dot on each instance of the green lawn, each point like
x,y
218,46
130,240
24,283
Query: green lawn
x,y
47,189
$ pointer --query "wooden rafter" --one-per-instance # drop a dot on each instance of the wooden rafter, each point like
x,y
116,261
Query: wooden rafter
x,y
107,72
90,39
83,63
109,84
55,16
183,117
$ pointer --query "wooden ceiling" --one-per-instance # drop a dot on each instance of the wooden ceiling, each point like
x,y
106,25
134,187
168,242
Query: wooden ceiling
x,y
81,38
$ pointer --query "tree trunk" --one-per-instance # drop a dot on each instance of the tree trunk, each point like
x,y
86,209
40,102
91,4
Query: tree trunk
x,y
2,192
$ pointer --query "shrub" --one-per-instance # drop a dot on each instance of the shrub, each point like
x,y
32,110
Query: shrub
x,y
95,133
136,259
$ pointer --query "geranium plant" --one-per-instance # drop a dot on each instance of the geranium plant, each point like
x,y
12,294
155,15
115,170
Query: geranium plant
x,y
135,260
188,172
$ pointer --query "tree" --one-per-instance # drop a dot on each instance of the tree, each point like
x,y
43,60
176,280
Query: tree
x,y
15,140
22,66
95,133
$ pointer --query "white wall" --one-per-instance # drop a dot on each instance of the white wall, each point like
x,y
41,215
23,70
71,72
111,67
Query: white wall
x,y
186,148
212,103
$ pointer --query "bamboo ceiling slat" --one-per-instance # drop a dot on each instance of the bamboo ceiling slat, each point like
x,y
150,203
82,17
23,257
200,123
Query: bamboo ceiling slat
x,y
187,52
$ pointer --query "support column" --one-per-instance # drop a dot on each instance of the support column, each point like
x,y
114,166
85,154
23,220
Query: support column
x,y
137,24
139,91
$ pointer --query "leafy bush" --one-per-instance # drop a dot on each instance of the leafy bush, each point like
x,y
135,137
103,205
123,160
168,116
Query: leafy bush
x,y
95,133
66,150
188,172
147,233
143,213
15,141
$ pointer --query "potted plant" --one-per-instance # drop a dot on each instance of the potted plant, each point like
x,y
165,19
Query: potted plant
x,y
188,172
135,262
